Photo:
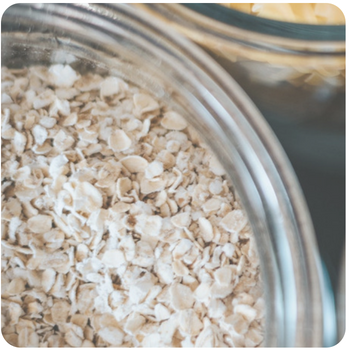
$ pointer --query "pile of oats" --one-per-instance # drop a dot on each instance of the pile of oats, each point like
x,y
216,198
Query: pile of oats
x,y
118,226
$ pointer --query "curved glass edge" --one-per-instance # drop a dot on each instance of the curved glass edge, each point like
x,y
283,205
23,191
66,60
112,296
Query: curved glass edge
x,y
222,37
341,299
330,321
309,32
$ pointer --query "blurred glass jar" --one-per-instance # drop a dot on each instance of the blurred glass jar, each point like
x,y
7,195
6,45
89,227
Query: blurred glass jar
x,y
120,41
291,71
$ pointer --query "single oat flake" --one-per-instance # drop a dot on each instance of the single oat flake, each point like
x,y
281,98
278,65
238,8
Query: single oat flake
x,y
119,228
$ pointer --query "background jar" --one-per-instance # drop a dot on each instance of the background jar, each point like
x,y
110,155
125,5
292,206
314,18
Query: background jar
x,y
290,70
118,40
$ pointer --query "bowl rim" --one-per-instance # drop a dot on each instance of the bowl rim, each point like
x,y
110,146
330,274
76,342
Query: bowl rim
x,y
298,31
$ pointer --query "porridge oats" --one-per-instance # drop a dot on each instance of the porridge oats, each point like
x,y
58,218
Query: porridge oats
x,y
308,13
118,226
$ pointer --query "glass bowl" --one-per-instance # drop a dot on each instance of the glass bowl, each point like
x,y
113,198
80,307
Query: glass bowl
x,y
121,41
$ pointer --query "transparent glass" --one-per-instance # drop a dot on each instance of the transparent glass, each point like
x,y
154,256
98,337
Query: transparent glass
x,y
119,40
341,297
294,72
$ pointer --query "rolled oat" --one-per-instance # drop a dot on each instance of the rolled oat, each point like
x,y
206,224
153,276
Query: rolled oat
x,y
118,226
